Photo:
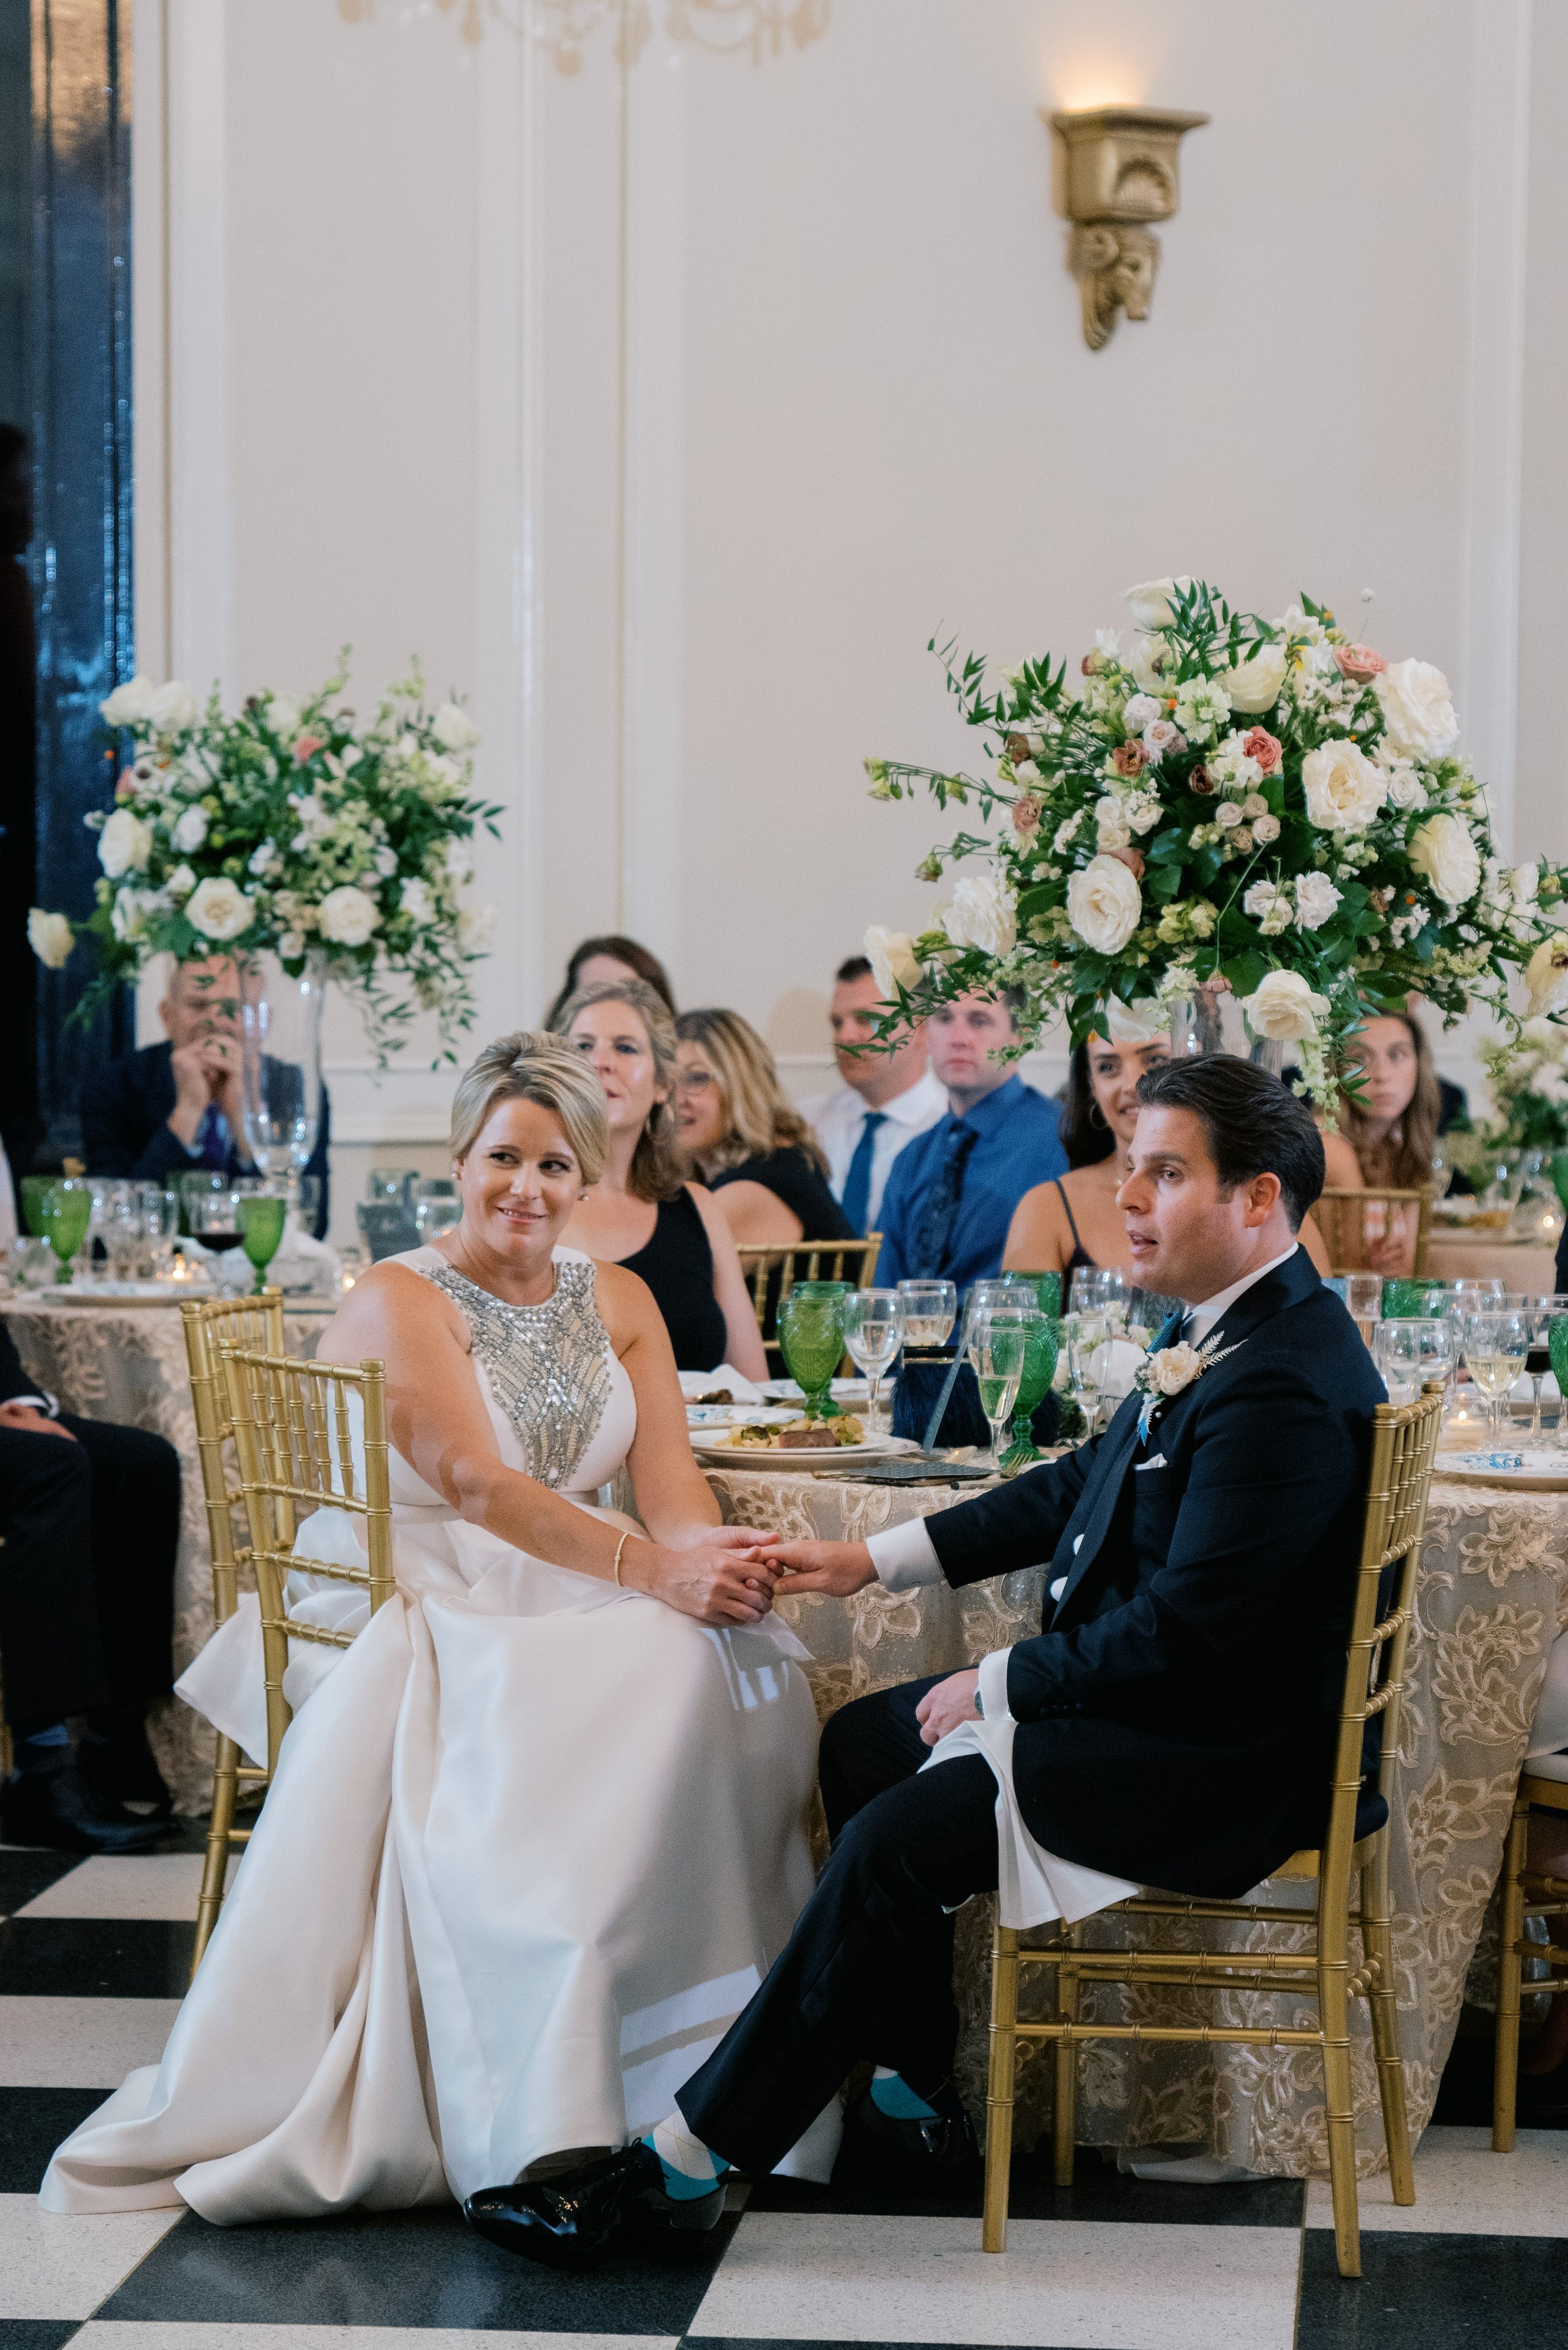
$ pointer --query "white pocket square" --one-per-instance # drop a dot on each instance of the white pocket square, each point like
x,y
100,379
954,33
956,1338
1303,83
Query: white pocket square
x,y
1158,1461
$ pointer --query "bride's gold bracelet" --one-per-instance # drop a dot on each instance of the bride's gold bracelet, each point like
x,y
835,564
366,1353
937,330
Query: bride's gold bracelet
x,y
619,1548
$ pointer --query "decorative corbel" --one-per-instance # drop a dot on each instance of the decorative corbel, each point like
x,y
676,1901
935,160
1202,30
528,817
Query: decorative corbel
x,y
1116,171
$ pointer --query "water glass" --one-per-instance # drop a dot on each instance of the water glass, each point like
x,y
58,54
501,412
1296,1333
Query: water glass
x,y
1410,1349
1363,1297
65,1211
930,1309
1088,1341
437,1208
391,1184
262,1214
1046,1287
1100,1289
1042,1334
874,1332
811,1339
32,1262
1495,1345
997,1346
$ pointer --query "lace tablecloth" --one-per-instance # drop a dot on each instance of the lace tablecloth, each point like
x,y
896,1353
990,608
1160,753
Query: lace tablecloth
x,y
127,1363
1493,1595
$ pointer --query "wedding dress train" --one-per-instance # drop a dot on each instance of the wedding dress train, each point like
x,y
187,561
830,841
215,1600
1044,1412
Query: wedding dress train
x,y
531,1844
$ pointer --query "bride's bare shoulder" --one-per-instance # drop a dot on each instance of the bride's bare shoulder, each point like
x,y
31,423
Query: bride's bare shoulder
x,y
391,1307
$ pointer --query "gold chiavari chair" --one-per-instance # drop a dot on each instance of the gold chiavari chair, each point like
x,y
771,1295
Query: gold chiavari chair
x,y
293,1435
1404,1443
773,1269
1525,1894
207,1323
1342,1220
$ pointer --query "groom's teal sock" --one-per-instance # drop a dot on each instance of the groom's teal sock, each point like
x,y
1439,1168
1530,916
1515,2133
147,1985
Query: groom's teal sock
x,y
688,2168
892,2095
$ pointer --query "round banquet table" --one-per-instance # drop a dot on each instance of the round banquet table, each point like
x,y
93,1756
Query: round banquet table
x,y
1526,1268
1493,1595
127,1363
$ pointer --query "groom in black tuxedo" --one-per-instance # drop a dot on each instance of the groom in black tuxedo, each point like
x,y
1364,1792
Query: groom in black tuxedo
x,y
1175,1716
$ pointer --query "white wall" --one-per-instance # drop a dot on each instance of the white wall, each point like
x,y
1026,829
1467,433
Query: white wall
x,y
671,405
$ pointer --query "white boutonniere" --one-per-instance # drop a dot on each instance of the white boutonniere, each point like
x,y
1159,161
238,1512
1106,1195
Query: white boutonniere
x,y
1170,1371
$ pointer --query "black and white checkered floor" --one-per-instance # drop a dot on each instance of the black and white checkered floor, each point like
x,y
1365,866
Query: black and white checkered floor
x,y
93,1956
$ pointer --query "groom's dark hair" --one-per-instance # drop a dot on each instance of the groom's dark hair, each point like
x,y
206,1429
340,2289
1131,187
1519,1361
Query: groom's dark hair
x,y
1255,1125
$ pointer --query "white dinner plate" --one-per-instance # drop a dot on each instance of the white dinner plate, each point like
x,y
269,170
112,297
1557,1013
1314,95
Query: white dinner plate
x,y
719,1452
122,1292
1525,1468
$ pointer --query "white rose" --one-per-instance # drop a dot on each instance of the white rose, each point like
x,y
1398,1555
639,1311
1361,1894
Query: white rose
x,y
983,913
453,729
125,844
1112,830
1444,850
219,909
1316,898
1145,659
475,925
1104,904
172,708
1265,828
1283,1008
282,716
1141,710
1417,714
181,881
1254,685
1160,736
1259,899
190,831
347,916
1227,814
1545,975
1524,881
1405,789
128,704
128,915
1138,1023
1343,789
894,962
1171,1368
1142,811
460,861
415,898
1150,604
291,946
50,936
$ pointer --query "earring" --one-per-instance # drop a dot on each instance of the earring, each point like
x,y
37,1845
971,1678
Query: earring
x,y
1097,1116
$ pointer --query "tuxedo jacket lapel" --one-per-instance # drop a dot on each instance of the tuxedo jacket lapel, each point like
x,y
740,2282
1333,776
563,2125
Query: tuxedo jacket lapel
x,y
1113,1466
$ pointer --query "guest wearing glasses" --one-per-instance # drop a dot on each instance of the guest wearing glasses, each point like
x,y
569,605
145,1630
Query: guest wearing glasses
x,y
611,957
757,1154
949,1201
886,1099
642,1214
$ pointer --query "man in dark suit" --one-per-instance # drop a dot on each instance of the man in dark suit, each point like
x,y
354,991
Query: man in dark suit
x,y
90,1521
158,1113
1172,1724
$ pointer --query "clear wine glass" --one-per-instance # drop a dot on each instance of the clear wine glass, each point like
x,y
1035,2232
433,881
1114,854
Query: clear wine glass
x,y
1101,1289
1408,1351
930,1309
873,1333
997,1344
1496,1346
1088,1336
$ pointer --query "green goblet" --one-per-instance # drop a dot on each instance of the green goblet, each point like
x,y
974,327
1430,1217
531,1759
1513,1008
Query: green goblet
x,y
1042,1344
1047,1289
261,1217
35,1191
811,1336
66,1213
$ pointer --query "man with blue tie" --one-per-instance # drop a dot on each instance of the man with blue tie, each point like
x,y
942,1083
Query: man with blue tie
x,y
886,1100
952,1194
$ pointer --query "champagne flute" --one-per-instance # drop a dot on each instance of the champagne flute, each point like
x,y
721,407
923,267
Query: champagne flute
x,y
930,1309
1495,1345
998,1341
874,1332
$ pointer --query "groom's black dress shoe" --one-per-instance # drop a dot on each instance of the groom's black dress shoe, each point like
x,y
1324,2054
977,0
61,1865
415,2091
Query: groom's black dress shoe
x,y
943,2145
59,1809
571,2221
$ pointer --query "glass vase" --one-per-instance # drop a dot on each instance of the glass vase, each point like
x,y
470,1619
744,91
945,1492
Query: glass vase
x,y
1213,1022
281,1062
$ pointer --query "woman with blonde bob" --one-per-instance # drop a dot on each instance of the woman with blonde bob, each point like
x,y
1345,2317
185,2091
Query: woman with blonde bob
x,y
758,1156
537,1834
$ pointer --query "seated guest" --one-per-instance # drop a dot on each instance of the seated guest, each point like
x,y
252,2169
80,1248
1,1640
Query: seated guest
x,y
158,1113
886,1099
611,957
756,1153
1073,1221
90,1521
950,1197
1387,1133
1173,1724
641,1213
547,1806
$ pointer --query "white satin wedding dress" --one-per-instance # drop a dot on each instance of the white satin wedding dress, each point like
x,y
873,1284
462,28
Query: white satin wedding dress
x,y
531,1844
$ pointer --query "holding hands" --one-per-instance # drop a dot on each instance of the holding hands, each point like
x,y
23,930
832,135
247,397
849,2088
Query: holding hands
x,y
712,1573
836,1568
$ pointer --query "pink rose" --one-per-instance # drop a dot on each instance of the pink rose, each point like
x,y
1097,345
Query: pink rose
x,y
1026,816
1130,758
1131,858
1358,662
1258,743
1092,665
125,789
308,745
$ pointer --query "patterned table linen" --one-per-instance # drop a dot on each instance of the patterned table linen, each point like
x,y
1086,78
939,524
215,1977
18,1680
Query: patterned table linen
x,y
127,1363
1493,1595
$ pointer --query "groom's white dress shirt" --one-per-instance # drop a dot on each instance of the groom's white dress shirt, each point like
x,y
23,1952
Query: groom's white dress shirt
x,y
839,1119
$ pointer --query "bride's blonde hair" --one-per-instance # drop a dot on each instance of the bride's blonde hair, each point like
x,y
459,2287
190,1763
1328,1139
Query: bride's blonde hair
x,y
531,1066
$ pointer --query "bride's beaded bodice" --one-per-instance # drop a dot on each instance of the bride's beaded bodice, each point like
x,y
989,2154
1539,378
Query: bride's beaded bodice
x,y
549,1366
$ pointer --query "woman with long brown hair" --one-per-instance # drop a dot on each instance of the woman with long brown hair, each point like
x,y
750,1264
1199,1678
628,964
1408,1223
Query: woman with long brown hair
x,y
759,1157
1388,1132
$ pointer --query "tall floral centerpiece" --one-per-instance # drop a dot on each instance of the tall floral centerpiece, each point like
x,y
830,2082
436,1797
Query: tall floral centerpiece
x,y
289,829
1223,803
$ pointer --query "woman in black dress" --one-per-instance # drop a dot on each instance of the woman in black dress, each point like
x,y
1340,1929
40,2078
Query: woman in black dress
x,y
761,1160
641,1213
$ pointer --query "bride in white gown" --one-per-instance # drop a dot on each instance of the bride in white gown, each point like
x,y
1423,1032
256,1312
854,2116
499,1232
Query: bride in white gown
x,y
536,1836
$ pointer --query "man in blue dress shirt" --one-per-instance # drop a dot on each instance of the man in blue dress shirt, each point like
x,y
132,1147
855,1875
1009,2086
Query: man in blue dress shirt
x,y
951,1196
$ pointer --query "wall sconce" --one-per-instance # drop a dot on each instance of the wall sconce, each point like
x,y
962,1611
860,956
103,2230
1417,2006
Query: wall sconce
x,y
1116,171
